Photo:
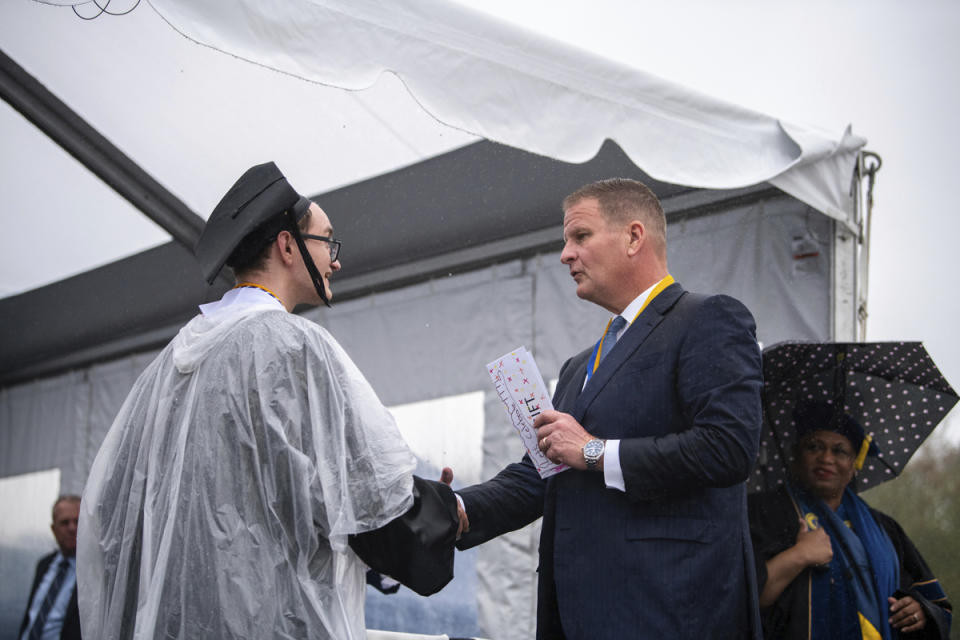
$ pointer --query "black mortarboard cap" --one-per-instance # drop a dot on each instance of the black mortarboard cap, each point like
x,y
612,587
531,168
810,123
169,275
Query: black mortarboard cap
x,y
823,416
262,194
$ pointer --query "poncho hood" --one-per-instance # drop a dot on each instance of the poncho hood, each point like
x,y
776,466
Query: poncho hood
x,y
204,334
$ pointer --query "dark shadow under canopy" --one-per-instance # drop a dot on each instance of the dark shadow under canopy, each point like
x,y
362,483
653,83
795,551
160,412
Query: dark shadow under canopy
x,y
475,205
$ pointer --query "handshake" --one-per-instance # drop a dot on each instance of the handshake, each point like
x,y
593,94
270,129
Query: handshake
x,y
417,548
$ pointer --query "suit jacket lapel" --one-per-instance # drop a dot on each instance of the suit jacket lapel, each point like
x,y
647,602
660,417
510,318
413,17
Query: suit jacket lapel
x,y
568,389
631,340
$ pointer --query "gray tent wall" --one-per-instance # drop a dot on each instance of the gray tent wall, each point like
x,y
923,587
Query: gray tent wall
x,y
431,339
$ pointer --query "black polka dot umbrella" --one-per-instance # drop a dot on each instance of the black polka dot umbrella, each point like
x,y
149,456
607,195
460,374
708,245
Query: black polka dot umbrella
x,y
893,389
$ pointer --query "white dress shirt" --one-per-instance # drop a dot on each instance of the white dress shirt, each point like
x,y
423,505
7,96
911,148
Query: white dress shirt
x,y
58,612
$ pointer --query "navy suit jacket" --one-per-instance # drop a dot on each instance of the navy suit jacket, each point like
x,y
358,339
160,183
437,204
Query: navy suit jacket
x,y
670,557
71,621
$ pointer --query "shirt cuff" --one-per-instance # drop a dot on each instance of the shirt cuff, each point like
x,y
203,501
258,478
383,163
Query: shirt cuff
x,y
612,473
460,501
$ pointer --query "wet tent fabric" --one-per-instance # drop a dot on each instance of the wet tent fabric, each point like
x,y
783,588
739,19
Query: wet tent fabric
x,y
432,340
484,77
468,72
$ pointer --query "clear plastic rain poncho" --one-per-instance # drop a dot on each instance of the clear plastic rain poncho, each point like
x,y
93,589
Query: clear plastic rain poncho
x,y
220,502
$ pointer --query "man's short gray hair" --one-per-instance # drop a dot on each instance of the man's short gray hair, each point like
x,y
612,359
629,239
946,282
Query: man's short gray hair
x,y
622,200
63,498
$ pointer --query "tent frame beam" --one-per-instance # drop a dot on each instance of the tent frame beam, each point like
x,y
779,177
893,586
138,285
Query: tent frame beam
x,y
65,127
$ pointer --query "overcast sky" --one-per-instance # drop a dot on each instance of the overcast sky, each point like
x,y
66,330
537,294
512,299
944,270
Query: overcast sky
x,y
888,68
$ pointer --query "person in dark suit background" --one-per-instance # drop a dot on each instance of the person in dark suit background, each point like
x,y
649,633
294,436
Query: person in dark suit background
x,y
646,536
52,607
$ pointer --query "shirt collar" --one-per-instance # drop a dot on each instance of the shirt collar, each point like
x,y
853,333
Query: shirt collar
x,y
71,560
239,299
634,307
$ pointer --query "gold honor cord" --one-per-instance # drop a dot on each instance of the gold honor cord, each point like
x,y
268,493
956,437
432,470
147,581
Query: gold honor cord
x,y
657,290
253,285
862,454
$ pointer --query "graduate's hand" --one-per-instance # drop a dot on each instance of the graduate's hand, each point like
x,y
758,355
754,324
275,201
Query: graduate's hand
x,y
906,614
561,438
814,544
446,477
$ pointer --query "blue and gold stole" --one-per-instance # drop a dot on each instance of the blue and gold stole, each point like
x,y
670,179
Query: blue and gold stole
x,y
864,560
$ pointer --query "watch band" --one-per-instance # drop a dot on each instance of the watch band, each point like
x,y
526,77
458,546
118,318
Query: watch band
x,y
592,452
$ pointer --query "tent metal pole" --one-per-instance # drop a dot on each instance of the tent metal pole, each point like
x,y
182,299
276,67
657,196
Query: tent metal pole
x,y
868,164
78,138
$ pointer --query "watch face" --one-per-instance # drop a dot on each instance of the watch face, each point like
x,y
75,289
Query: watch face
x,y
593,449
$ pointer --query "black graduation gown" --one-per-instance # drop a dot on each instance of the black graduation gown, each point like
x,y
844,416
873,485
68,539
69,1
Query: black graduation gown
x,y
415,549
773,527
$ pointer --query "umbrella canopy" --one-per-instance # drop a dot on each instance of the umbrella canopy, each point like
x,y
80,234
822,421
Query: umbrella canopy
x,y
893,389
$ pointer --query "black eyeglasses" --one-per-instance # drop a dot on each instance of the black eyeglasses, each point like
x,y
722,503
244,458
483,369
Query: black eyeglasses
x,y
816,448
333,244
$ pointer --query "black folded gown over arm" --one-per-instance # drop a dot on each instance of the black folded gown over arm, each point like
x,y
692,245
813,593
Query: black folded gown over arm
x,y
416,549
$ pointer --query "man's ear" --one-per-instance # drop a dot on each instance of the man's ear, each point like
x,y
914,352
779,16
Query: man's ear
x,y
637,237
287,247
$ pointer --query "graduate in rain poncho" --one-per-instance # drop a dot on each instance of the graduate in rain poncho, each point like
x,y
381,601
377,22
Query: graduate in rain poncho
x,y
224,499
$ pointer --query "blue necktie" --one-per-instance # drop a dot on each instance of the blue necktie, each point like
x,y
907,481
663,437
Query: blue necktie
x,y
36,631
610,337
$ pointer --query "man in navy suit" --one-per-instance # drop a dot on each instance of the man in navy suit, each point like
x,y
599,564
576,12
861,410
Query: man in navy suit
x,y
52,607
646,536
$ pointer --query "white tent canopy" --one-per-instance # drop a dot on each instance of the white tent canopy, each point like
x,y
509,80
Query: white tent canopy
x,y
488,79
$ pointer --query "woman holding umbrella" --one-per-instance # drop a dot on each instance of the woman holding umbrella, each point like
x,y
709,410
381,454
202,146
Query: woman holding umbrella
x,y
828,565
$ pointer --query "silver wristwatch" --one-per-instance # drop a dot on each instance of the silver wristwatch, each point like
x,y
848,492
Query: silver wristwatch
x,y
592,452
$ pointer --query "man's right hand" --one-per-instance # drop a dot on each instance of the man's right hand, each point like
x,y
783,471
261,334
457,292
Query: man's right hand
x,y
446,477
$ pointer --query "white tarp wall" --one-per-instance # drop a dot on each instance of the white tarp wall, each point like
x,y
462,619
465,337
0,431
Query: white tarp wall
x,y
431,341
